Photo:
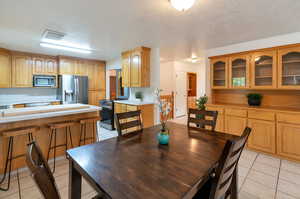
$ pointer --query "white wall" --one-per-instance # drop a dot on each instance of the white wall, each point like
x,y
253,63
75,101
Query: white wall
x,y
250,45
167,77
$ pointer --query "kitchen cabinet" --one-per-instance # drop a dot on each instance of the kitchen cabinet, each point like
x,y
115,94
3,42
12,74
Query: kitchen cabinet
x,y
96,74
21,71
5,68
235,120
44,66
239,71
95,97
136,67
264,69
220,126
219,76
147,112
289,68
262,136
66,66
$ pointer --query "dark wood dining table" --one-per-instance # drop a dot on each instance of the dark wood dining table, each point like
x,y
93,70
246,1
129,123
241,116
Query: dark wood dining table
x,y
138,167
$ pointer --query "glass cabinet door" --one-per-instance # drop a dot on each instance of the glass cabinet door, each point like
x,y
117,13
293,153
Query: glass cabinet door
x,y
264,69
289,68
239,71
219,73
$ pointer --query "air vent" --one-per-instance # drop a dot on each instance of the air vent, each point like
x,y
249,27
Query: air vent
x,y
53,35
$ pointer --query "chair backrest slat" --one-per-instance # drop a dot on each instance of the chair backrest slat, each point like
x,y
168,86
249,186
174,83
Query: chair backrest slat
x,y
221,185
41,172
201,118
127,121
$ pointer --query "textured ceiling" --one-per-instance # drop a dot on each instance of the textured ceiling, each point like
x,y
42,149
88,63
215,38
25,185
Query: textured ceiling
x,y
112,26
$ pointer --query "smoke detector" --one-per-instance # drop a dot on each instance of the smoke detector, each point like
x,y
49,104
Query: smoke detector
x,y
53,35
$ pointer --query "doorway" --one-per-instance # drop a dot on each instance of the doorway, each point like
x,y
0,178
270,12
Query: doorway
x,y
181,94
191,89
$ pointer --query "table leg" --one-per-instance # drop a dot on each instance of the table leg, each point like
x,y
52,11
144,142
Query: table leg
x,y
74,182
234,186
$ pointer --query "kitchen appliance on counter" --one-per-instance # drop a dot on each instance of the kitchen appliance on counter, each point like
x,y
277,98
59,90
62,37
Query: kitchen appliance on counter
x,y
107,114
72,89
44,81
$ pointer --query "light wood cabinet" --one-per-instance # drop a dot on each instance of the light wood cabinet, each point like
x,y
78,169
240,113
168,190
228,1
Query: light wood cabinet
x,y
219,73
239,71
67,66
289,68
288,136
262,136
5,68
44,66
220,126
136,68
235,125
96,74
95,97
264,69
22,71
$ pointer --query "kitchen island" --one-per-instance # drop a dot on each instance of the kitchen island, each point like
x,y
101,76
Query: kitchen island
x,y
42,117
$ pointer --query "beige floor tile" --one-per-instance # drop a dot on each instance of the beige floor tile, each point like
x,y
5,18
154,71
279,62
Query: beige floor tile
x,y
289,176
268,160
241,180
257,189
290,166
264,168
245,195
264,179
281,195
243,171
289,188
247,163
247,154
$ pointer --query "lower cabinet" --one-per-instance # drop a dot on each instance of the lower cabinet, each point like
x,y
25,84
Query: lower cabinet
x,y
262,136
235,125
288,136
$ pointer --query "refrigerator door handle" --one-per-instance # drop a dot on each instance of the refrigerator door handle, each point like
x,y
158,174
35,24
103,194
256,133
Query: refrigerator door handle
x,y
77,89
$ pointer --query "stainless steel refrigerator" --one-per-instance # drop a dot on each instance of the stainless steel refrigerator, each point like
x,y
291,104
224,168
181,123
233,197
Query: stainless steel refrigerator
x,y
73,89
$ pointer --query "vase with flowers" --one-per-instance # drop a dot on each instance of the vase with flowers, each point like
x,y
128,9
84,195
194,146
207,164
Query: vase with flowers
x,y
164,110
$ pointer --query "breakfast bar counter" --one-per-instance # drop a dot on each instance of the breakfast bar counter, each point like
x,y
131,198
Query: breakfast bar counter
x,y
41,117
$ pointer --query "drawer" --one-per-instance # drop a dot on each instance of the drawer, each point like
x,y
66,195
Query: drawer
x,y
213,108
132,108
288,118
236,112
261,115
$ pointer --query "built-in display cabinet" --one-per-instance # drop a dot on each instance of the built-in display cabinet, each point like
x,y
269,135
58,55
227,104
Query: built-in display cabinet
x,y
272,68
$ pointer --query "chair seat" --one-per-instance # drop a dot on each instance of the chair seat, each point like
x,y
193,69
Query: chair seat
x,y
19,131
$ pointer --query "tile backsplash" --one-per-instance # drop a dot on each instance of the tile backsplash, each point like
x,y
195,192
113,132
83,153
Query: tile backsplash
x,y
10,96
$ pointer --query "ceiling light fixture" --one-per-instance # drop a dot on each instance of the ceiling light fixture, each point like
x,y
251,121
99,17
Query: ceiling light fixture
x,y
182,5
67,48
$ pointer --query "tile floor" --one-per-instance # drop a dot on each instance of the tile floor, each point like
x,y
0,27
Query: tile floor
x,y
260,177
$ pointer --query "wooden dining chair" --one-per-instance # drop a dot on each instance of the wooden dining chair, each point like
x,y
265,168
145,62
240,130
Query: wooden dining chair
x,y
129,123
201,119
41,172
223,180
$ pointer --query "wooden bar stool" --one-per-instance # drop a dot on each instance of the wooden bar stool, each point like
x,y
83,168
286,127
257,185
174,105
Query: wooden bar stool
x,y
11,134
54,127
83,129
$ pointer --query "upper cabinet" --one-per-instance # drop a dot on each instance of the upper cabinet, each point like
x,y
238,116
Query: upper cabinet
x,y
289,68
96,74
44,65
5,68
136,68
264,67
239,70
67,66
21,70
219,74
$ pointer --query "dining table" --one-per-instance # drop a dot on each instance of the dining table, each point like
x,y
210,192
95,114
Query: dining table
x,y
139,167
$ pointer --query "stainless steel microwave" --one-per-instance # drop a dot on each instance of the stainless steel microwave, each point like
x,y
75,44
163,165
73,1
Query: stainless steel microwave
x,y
44,81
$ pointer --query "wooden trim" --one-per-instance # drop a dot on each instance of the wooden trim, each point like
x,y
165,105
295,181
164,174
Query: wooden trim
x,y
225,60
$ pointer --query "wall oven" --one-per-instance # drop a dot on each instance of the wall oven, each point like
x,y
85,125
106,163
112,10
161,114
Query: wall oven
x,y
44,81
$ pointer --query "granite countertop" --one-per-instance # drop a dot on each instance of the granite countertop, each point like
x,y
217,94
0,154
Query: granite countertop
x,y
132,102
30,113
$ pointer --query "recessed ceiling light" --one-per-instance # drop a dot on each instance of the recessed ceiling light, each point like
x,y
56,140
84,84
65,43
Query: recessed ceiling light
x,y
182,5
66,48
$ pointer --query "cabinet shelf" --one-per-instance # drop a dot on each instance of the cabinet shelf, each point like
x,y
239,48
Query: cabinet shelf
x,y
239,66
263,77
266,64
219,79
219,69
291,62
291,75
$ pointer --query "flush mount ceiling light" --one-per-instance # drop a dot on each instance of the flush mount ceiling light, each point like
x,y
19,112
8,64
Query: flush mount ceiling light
x,y
182,5
55,40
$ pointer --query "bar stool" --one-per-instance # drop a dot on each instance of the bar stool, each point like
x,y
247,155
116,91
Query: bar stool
x,y
54,127
83,129
11,134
